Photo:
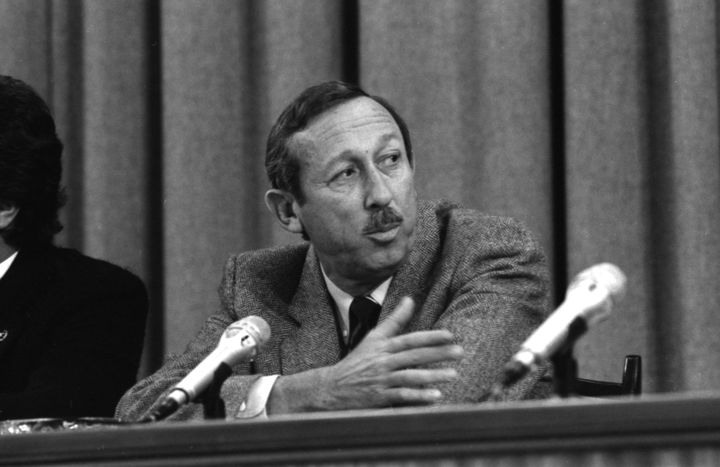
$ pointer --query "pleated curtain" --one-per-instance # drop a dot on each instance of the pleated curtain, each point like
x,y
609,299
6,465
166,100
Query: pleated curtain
x,y
593,121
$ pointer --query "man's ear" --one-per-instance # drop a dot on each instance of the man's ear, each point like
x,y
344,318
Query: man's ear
x,y
284,206
7,215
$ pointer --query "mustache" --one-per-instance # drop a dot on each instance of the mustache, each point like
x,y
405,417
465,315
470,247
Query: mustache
x,y
383,219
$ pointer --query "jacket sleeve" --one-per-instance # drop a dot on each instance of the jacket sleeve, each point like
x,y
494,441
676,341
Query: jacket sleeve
x,y
142,398
498,295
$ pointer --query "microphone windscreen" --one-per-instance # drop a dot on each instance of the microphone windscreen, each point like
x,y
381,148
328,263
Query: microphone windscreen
x,y
257,327
605,275
610,277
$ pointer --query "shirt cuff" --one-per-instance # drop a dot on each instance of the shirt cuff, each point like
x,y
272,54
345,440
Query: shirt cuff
x,y
255,404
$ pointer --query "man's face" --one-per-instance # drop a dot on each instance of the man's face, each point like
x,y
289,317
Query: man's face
x,y
359,205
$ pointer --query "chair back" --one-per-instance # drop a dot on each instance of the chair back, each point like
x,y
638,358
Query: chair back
x,y
631,383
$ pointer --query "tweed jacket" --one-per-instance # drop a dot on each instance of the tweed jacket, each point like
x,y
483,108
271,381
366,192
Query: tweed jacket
x,y
72,332
483,278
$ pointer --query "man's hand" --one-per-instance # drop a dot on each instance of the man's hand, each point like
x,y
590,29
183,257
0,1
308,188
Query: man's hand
x,y
381,371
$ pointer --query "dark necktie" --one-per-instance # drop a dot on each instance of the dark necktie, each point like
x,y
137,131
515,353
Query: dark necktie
x,y
363,317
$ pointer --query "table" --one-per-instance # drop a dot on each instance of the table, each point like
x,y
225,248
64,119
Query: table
x,y
673,429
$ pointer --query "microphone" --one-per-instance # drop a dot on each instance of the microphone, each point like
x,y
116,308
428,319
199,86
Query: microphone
x,y
589,299
240,341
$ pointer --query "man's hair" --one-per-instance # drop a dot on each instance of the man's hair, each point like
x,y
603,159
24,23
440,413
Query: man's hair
x,y
281,165
30,165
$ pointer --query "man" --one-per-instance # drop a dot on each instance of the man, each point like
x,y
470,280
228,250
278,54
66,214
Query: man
x,y
341,167
71,327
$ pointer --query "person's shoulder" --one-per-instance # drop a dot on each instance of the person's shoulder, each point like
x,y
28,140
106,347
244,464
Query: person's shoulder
x,y
470,226
278,261
274,272
78,267
273,257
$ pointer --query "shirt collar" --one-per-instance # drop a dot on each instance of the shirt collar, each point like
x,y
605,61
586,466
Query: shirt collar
x,y
5,265
343,299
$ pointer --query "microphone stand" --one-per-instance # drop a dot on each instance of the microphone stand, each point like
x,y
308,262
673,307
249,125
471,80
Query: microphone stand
x,y
213,404
565,368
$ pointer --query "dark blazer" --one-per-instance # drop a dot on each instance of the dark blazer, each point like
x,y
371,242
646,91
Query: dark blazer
x,y
73,332
481,277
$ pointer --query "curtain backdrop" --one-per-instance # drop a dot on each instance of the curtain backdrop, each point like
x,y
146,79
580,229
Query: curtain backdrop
x,y
595,122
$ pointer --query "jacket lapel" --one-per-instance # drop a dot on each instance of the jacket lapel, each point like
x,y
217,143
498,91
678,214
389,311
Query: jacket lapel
x,y
316,342
416,272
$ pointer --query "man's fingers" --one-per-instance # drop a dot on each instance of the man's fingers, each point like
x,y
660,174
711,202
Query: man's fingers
x,y
404,395
417,339
406,386
397,320
420,377
424,356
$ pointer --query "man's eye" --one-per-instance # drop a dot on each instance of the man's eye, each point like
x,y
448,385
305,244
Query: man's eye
x,y
391,160
347,173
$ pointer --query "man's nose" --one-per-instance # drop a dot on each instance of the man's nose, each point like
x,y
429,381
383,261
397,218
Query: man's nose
x,y
377,189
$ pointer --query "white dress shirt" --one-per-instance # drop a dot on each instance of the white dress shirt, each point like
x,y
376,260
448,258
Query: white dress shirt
x,y
5,265
343,300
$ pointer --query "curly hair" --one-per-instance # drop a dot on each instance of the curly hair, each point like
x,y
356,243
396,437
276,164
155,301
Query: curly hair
x,y
281,165
30,165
